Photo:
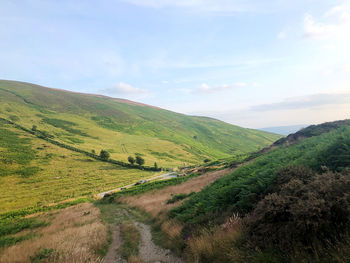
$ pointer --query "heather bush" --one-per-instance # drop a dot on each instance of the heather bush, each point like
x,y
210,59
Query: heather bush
x,y
308,211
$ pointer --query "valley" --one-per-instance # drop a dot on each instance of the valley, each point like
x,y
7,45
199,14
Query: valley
x,y
207,191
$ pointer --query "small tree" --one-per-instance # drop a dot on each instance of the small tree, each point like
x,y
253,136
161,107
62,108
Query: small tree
x,y
207,160
104,155
93,151
131,159
155,166
139,160
34,128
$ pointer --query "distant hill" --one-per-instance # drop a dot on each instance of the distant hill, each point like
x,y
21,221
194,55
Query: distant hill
x,y
122,127
284,130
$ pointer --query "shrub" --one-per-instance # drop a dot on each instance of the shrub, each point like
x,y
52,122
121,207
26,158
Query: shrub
x,y
139,160
306,212
104,155
45,253
131,160
178,197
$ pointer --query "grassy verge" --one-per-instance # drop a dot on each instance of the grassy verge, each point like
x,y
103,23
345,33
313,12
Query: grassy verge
x,y
131,240
73,234
36,209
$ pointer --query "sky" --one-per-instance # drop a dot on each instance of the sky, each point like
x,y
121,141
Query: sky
x,y
253,63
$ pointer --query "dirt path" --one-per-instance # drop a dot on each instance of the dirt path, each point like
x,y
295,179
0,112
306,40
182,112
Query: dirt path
x,y
112,255
151,253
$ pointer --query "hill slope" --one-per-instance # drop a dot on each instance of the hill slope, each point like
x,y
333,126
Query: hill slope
x,y
34,172
317,146
92,122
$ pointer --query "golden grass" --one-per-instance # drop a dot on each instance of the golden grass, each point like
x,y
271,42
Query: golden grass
x,y
172,228
217,245
154,202
76,234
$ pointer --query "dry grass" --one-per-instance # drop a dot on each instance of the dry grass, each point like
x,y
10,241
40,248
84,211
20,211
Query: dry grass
x,y
155,203
75,234
172,228
218,245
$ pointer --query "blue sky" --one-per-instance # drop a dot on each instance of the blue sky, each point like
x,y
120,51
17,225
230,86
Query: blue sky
x,y
253,63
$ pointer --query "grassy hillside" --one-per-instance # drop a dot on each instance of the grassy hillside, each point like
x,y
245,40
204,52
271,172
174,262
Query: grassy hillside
x,y
125,128
240,191
34,172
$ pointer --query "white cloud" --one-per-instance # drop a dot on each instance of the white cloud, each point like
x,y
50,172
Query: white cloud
x,y
124,89
205,88
334,24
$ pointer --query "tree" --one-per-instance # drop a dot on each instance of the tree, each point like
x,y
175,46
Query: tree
x,y
155,166
104,155
139,160
131,159
207,160
93,151
34,128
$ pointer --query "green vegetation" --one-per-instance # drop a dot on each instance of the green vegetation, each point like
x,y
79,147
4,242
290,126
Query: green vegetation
x,y
178,197
17,150
288,205
36,209
41,255
240,191
65,125
131,240
131,160
10,226
47,174
104,155
93,122
139,160
306,211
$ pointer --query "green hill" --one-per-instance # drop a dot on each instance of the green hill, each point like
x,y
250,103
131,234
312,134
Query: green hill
x,y
317,147
34,172
123,128
47,137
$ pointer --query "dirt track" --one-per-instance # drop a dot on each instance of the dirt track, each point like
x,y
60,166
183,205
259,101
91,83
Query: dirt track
x,y
149,252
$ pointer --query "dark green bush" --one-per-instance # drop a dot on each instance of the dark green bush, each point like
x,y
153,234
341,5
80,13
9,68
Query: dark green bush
x,y
308,211
139,160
